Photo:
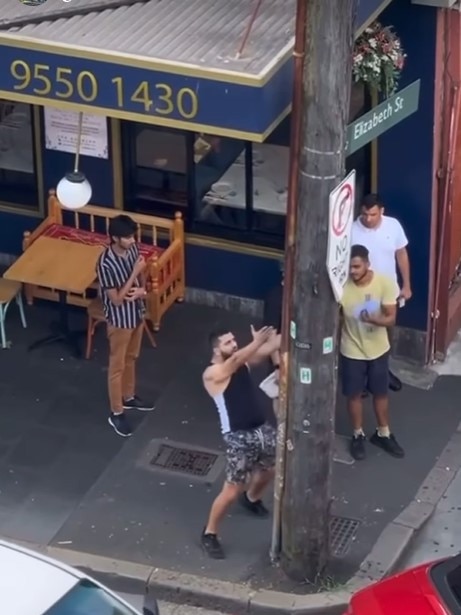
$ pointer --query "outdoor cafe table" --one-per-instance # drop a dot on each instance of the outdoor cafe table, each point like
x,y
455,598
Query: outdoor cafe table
x,y
65,266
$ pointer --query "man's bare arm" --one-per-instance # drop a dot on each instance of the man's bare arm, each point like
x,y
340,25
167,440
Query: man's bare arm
x,y
118,296
386,318
403,263
269,348
240,357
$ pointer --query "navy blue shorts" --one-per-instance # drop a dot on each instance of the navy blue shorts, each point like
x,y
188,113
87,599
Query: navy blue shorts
x,y
358,375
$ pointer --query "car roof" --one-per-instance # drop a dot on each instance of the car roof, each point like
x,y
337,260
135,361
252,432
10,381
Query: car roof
x,y
30,583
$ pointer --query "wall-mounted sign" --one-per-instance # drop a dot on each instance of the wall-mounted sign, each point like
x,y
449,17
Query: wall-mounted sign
x,y
61,133
384,116
229,105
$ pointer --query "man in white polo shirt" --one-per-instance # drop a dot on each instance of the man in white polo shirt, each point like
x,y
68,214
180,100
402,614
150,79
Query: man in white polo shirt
x,y
386,242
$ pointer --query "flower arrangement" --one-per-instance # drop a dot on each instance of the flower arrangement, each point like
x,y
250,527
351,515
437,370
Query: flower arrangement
x,y
378,59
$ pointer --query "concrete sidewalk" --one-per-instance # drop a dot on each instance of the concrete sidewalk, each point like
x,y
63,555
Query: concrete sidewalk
x,y
69,482
441,536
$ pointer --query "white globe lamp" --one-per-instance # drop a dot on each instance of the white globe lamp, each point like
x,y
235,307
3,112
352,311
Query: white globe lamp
x,y
74,190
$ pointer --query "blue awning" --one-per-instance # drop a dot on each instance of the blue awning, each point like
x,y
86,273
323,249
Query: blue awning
x,y
368,11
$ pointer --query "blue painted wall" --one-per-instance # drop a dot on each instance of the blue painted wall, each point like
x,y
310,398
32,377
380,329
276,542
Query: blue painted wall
x,y
406,151
237,274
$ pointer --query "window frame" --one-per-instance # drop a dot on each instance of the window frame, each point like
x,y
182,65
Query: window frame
x,y
38,145
199,228
128,134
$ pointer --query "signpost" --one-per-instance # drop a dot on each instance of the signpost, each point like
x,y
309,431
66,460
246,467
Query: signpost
x,y
341,214
382,117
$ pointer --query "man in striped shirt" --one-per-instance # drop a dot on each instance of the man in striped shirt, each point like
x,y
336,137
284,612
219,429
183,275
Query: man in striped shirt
x,y
120,272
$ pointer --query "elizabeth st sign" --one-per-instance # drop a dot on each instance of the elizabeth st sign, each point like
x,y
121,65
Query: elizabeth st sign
x,y
342,199
341,213
382,117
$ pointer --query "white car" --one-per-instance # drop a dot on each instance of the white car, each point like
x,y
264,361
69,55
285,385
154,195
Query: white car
x,y
32,584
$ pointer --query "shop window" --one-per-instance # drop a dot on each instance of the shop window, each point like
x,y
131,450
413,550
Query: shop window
x,y
241,189
224,187
18,164
155,163
220,182
270,187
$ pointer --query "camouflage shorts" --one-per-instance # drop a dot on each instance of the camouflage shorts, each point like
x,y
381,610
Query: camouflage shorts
x,y
248,451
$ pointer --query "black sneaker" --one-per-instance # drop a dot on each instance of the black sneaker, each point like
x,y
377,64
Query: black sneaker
x,y
120,425
256,508
135,403
390,445
357,448
211,545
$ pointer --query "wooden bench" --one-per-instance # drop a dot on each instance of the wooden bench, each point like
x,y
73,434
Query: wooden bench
x,y
161,242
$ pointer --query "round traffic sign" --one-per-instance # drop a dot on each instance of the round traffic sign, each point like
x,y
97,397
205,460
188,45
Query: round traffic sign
x,y
342,210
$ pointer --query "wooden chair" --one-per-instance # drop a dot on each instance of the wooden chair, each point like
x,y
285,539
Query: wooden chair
x,y
96,316
9,290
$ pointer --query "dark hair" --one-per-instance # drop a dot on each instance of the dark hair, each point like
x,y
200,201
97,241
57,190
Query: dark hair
x,y
372,200
214,336
358,251
122,226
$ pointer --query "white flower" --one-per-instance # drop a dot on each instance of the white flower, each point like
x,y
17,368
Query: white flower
x,y
373,43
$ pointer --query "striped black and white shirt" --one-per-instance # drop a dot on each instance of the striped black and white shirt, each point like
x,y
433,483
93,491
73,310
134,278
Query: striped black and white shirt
x,y
113,272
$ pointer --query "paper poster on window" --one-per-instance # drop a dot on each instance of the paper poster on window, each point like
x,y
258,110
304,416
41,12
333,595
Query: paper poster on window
x,y
61,133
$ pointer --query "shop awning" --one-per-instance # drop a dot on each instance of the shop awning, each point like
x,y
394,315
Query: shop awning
x,y
368,11
170,63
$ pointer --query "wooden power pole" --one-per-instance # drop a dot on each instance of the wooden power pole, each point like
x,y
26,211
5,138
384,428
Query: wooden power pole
x,y
311,313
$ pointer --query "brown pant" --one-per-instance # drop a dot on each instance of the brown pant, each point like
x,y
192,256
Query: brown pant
x,y
124,348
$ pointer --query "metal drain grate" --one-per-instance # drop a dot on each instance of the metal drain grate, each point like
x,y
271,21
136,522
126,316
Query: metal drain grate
x,y
342,534
184,461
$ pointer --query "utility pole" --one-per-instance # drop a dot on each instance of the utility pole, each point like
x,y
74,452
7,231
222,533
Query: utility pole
x,y
308,379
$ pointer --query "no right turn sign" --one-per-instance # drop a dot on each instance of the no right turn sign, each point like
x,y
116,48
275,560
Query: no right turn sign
x,y
341,214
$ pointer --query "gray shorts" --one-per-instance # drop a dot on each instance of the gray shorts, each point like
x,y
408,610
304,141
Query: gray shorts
x,y
249,450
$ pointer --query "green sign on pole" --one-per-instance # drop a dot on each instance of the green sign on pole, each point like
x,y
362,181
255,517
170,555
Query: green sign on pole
x,y
386,115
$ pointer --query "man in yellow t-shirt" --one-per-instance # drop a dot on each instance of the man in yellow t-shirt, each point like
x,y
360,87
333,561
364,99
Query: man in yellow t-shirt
x,y
368,309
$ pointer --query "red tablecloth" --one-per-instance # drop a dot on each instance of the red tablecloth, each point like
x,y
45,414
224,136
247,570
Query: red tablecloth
x,y
59,231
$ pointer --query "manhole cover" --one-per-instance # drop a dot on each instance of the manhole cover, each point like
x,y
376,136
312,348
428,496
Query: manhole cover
x,y
184,460
342,533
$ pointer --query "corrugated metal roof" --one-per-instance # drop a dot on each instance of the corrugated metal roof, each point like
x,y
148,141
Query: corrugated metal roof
x,y
204,33
16,13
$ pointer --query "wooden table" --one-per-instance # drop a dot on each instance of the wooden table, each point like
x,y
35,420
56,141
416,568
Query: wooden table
x,y
65,266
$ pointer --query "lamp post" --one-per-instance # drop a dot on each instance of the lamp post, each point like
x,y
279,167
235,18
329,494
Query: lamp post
x,y
74,190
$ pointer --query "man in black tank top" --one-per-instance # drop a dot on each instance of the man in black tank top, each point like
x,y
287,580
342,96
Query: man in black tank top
x,y
250,440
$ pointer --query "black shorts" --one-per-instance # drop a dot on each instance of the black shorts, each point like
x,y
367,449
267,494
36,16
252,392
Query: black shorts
x,y
358,375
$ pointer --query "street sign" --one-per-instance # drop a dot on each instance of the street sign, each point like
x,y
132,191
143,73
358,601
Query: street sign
x,y
341,214
382,117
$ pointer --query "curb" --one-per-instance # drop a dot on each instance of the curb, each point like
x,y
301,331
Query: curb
x,y
238,599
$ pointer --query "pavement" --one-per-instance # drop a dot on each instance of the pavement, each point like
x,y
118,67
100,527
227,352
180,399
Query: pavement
x,y
441,535
70,485
166,608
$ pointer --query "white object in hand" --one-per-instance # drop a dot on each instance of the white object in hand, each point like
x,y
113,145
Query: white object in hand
x,y
270,385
